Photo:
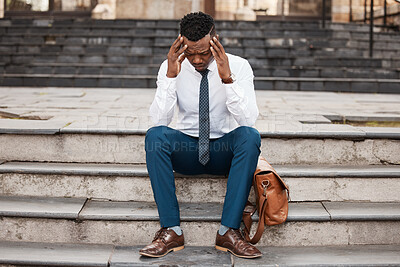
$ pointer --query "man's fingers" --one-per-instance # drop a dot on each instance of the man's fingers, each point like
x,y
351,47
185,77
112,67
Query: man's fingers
x,y
219,45
181,58
213,52
176,44
183,48
216,48
176,40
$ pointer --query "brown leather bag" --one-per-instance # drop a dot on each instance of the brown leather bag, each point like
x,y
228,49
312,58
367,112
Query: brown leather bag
x,y
271,200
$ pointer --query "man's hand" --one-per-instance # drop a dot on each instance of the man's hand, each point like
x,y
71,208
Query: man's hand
x,y
175,57
221,58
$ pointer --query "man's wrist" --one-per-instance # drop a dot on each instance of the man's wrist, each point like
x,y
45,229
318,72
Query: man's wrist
x,y
230,79
171,76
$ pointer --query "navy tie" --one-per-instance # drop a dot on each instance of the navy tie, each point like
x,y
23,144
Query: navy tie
x,y
204,120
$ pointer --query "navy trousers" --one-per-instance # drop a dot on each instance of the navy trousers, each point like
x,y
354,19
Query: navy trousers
x,y
235,154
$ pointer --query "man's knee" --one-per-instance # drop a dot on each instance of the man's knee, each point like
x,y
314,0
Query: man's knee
x,y
155,137
249,135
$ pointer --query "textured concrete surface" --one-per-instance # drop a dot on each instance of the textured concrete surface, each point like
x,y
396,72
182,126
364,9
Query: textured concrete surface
x,y
307,212
343,189
99,255
145,211
368,255
125,223
363,211
126,110
331,171
23,126
76,168
116,148
51,254
128,233
124,182
66,208
190,256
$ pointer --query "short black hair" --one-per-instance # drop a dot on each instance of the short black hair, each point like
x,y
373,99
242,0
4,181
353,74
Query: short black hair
x,y
195,26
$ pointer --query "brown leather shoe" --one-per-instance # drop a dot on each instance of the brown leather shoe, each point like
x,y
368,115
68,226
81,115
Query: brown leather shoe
x,y
164,242
234,242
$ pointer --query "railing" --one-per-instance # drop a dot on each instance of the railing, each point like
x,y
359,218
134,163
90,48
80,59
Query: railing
x,y
371,19
371,23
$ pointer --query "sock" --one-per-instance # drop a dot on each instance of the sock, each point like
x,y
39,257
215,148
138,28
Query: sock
x,y
223,229
177,229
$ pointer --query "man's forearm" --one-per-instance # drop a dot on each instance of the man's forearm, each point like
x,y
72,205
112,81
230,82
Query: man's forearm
x,y
241,102
162,108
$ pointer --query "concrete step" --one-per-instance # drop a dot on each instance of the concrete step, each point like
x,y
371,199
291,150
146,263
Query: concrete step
x,y
99,44
359,85
152,69
130,182
40,35
326,72
15,22
70,254
54,254
269,40
27,58
95,69
126,223
60,141
101,125
244,50
126,42
269,48
267,57
173,24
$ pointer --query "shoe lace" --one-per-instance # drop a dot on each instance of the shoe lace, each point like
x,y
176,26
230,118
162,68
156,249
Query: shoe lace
x,y
237,235
160,234
239,239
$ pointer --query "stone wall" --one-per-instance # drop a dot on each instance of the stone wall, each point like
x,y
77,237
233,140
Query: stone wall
x,y
225,9
340,10
305,7
156,9
1,8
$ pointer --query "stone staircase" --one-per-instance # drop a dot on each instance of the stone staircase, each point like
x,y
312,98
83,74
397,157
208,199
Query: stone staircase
x,y
77,193
127,53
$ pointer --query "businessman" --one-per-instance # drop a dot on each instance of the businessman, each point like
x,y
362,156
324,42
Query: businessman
x,y
214,134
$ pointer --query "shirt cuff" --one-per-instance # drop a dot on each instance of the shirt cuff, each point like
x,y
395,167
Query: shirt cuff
x,y
168,79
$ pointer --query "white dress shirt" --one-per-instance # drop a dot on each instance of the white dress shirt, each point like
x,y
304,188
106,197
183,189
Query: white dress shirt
x,y
231,105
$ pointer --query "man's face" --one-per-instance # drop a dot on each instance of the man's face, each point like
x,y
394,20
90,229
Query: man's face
x,y
198,53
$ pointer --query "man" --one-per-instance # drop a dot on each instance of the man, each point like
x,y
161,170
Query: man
x,y
214,92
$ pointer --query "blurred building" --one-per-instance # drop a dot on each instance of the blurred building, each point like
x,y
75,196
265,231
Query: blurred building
x,y
336,11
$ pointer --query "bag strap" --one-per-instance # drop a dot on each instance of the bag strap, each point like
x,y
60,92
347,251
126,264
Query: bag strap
x,y
248,221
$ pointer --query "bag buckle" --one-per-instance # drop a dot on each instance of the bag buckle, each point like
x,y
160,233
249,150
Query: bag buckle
x,y
265,186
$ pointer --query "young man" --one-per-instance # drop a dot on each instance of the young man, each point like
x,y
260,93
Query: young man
x,y
214,92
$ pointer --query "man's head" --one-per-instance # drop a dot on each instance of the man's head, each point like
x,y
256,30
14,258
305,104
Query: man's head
x,y
197,30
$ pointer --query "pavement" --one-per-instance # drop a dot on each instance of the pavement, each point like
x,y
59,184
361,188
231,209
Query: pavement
x,y
106,255
52,110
